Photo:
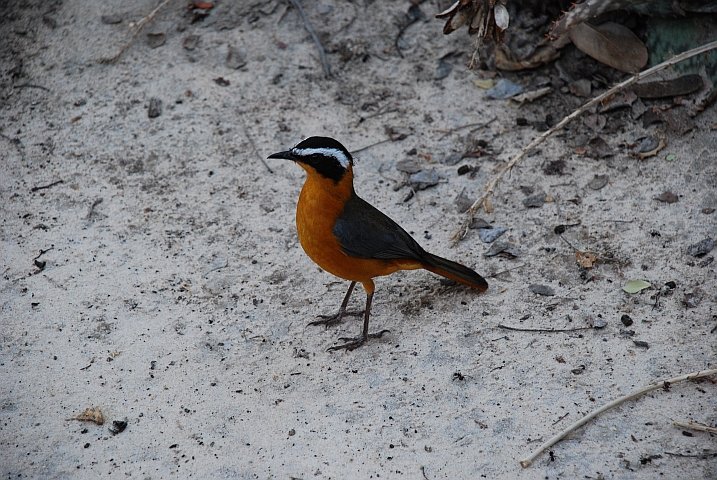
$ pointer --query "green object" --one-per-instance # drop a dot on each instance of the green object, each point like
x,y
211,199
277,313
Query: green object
x,y
671,157
634,286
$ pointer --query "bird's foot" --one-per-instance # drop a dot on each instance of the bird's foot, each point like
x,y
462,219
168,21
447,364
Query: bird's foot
x,y
328,320
354,343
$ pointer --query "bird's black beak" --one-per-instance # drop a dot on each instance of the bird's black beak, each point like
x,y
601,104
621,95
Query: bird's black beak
x,y
287,155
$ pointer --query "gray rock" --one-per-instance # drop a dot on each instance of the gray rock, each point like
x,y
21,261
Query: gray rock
x,y
489,235
541,290
423,180
535,201
156,40
504,89
235,58
701,248
598,182
155,108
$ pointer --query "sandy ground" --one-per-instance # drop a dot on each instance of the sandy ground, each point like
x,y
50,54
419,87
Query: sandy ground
x,y
173,293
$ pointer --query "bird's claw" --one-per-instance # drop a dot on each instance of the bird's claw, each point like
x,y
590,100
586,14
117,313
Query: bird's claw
x,y
354,343
328,320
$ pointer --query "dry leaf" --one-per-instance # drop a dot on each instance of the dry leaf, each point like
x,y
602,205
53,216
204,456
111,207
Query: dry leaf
x,y
585,260
487,206
91,415
612,44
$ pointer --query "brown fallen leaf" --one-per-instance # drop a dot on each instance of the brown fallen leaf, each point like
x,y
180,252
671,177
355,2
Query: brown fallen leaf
x,y
200,5
585,260
487,206
90,415
505,59
612,44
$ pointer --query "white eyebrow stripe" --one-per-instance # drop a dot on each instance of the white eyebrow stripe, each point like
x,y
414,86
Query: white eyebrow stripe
x,y
329,152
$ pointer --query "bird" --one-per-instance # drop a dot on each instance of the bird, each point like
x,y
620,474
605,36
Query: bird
x,y
351,239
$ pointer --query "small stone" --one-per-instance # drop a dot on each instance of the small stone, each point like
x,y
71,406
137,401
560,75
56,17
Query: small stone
x,y
692,299
118,426
535,201
463,203
581,88
191,42
598,182
479,223
235,57
408,166
599,323
641,344
627,332
452,159
424,180
598,148
503,249
541,290
155,40
442,70
504,89
667,197
648,144
489,235
701,248
626,320
292,432
155,108
708,211
111,19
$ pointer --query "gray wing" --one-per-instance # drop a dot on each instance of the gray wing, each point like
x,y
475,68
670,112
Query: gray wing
x,y
365,232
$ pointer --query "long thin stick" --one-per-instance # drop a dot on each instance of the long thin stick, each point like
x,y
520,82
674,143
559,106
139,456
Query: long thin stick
x,y
542,330
695,426
461,233
253,145
322,52
654,386
140,24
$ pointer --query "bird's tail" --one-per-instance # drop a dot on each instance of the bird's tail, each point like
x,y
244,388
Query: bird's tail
x,y
454,271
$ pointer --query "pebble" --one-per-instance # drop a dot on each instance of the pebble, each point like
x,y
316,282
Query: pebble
x,y
443,70
423,180
190,43
155,108
479,223
598,181
504,89
535,201
506,249
235,57
489,235
156,40
541,290
701,248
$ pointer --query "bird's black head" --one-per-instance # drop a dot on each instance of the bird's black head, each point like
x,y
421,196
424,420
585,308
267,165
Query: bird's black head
x,y
326,155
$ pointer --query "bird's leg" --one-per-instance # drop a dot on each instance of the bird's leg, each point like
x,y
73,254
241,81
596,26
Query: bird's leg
x,y
354,343
338,316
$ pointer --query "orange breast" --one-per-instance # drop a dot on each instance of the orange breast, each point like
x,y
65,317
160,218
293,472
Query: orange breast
x,y
320,204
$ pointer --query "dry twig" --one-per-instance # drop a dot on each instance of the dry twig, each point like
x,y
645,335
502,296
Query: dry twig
x,y
139,26
695,426
654,386
320,47
542,330
461,233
